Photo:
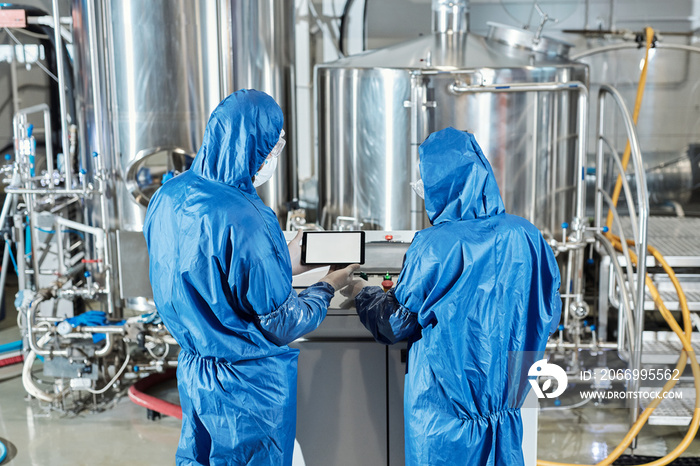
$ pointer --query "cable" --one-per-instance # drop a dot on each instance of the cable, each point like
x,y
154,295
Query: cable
x,y
344,25
114,379
12,256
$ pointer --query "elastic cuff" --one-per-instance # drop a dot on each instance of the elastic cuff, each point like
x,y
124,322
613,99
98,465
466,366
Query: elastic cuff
x,y
325,285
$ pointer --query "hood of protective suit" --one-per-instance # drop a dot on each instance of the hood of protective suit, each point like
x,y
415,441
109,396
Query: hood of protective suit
x,y
459,182
240,134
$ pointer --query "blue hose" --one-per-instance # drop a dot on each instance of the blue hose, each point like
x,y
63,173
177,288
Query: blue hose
x,y
14,346
3,452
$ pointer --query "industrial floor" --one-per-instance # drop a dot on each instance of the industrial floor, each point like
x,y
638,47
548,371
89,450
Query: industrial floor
x,y
122,434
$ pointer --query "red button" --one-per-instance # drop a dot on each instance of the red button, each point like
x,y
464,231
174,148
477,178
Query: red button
x,y
388,237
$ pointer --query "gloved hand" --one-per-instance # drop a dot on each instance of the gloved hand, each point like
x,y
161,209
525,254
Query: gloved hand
x,y
354,288
295,255
340,278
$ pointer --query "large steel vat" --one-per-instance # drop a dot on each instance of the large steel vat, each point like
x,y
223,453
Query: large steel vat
x,y
376,108
148,75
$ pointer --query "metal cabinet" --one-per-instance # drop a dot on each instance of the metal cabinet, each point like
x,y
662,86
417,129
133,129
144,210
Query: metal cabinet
x,y
342,402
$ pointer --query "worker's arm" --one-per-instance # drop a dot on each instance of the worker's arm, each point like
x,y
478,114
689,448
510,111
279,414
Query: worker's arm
x,y
387,320
298,314
281,314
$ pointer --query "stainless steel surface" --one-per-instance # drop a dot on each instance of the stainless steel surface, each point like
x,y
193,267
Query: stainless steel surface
x,y
261,56
676,238
525,39
664,348
342,403
159,93
369,104
676,411
133,265
450,16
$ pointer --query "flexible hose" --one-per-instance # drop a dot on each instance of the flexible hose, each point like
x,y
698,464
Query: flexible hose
x,y
12,346
684,336
137,394
635,116
28,380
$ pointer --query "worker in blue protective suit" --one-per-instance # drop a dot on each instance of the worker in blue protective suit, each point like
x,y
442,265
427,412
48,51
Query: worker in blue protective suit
x,y
221,275
477,298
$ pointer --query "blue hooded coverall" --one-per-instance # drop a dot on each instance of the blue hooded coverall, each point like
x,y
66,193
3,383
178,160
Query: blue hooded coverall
x,y
222,283
477,298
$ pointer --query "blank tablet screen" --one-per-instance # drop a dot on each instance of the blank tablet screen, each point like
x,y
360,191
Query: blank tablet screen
x,y
333,247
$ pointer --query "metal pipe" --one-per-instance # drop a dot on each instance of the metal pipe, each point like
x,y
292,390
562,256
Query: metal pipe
x,y
101,329
13,80
49,191
641,246
633,45
21,278
3,273
450,16
97,232
625,187
599,166
58,40
33,345
602,344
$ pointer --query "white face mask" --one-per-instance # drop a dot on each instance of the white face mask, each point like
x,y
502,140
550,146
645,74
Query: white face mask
x,y
418,188
270,165
265,173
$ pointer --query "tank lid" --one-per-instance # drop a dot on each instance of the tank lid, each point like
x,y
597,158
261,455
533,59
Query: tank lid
x,y
449,52
528,40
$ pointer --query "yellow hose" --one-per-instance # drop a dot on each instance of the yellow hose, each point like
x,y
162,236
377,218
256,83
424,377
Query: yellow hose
x,y
635,116
683,334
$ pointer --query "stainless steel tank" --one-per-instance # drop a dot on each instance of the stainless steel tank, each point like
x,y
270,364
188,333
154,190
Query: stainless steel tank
x,y
148,75
161,67
376,108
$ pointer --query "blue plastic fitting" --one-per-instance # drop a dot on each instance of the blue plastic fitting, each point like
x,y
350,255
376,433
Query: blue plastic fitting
x,y
87,274
30,130
590,261
605,229
561,327
8,157
565,225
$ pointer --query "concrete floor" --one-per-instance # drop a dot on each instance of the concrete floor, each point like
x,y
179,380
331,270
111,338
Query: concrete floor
x,y
123,435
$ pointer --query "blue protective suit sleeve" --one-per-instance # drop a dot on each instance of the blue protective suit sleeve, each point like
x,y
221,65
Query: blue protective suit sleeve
x,y
298,314
384,316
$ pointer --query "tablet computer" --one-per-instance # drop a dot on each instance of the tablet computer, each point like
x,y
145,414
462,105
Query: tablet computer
x,y
333,247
